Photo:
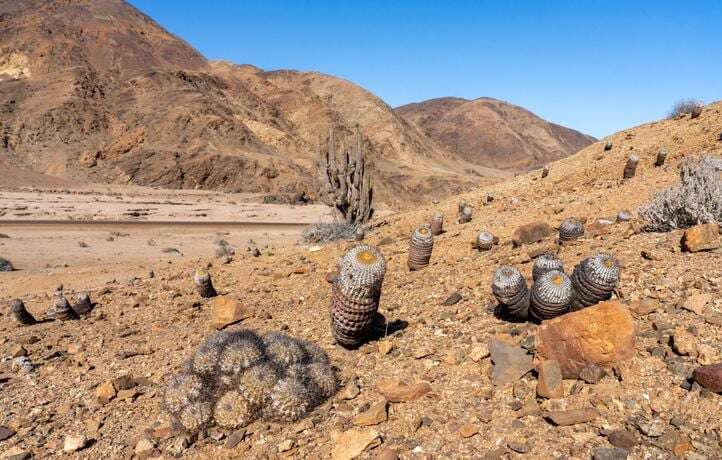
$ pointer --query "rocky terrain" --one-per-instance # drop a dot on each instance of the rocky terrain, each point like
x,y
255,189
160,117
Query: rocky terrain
x,y
425,387
493,133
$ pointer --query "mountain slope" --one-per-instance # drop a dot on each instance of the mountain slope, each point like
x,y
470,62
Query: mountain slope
x,y
493,133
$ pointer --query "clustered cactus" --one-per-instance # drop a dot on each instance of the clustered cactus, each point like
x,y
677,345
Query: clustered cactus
x,y
437,224
554,293
234,378
355,294
570,229
421,245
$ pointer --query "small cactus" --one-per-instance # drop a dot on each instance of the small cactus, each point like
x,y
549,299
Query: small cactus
x,y
661,157
462,204
511,291
61,309
21,315
608,146
624,216
465,215
437,224
546,263
594,280
484,241
545,171
359,234
421,246
551,295
83,305
204,285
630,169
570,229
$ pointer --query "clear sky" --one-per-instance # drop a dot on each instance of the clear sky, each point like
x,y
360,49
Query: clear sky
x,y
596,66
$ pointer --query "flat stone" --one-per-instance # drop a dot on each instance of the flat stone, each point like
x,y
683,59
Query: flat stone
x,y
684,343
16,453
644,307
572,416
144,448
74,443
105,392
697,303
710,377
372,416
652,428
17,351
6,433
387,454
350,391
354,442
591,373
285,445
468,430
235,438
510,362
550,384
531,233
622,438
385,346
610,453
227,311
396,391
453,299
603,334
479,352
703,237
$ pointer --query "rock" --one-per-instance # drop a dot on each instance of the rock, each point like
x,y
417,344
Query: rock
x,y
16,453
285,445
572,416
385,346
123,382
521,447
479,352
697,303
653,428
510,362
610,453
350,391
6,433
372,416
17,351
703,237
144,448
396,391
227,311
354,442
235,438
387,454
682,446
130,394
453,299
710,377
603,334
468,430
105,392
178,445
706,354
530,407
591,373
531,233
622,438
74,443
644,307
684,342
550,383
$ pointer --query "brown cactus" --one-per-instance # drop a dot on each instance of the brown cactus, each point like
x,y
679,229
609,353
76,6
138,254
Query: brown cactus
x,y
204,285
437,224
20,314
83,305
421,245
661,157
630,169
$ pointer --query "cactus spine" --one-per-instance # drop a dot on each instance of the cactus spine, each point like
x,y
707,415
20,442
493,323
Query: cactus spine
x,y
594,280
570,229
551,295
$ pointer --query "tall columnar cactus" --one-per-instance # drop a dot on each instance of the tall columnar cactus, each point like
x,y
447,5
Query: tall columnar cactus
x,y
237,377
570,229
204,284
551,295
437,224
511,291
421,245
344,179
20,314
594,280
546,263
356,293
630,169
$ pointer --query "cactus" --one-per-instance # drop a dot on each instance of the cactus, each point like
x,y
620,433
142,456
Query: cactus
x,y
283,350
545,171
239,353
21,315
546,263
83,305
421,244
355,294
61,309
465,214
437,224
608,146
511,291
551,295
359,234
570,229
594,280
233,410
204,285
661,157
5,265
344,180
624,216
484,241
257,382
630,169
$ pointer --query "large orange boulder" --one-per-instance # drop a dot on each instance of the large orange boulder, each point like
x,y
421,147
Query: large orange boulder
x,y
603,335
704,237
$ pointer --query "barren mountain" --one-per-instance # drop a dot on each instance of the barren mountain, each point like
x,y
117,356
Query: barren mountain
x,y
493,133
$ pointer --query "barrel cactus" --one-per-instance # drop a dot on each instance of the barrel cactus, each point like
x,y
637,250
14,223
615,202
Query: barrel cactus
x,y
421,244
551,295
83,305
594,280
465,214
570,229
630,168
355,294
437,224
204,285
545,263
61,309
511,291
20,314
484,241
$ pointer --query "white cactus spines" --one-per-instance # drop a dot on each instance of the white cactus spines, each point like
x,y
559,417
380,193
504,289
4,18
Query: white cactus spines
x,y
594,280
624,216
570,229
421,245
511,291
551,295
20,314
465,214
204,285
484,241
233,410
437,224
289,400
545,263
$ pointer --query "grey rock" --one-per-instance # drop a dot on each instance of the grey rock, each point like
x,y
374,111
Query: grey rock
x,y
610,453
510,362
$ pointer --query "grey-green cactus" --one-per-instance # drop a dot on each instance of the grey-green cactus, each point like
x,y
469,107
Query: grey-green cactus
x,y
61,309
551,295
421,245
661,157
83,305
545,263
437,224
511,291
20,314
465,214
204,285
594,280
570,229
484,241
630,169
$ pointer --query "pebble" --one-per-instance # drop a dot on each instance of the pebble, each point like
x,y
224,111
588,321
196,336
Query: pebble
x,y
285,445
591,373
354,442
396,391
550,383
610,453
372,416
350,391
468,430
622,438
387,454
479,352
510,362
235,438
6,433
572,416
16,453
74,443
453,299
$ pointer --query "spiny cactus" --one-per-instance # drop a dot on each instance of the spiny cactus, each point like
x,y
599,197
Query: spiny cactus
x,y
355,294
594,280
630,169
465,215
545,263
5,265
204,285
249,380
83,305
545,171
61,309
21,315
484,241
608,146
511,291
551,295
570,229
421,245
661,157
437,224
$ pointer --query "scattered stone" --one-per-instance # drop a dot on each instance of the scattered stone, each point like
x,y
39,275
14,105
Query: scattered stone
x,y
610,453
453,299
603,335
396,391
387,454
16,453
510,362
227,311
710,377
468,430
531,233
530,407
521,447
74,443
372,416
144,448
682,446
385,346
23,365
644,307
697,303
550,383
572,416
6,433
591,373
653,428
5,265
235,438
354,442
479,352
350,391
178,445
105,392
18,351
684,343
285,445
622,438
703,237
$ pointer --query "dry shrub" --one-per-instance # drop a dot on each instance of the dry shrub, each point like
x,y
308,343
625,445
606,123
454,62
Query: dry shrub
x,y
686,106
323,232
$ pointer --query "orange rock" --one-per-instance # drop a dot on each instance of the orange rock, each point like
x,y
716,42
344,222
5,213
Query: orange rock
x,y
531,233
550,383
603,335
227,311
396,391
702,237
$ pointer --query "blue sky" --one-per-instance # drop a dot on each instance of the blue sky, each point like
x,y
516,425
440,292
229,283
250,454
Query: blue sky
x,y
596,66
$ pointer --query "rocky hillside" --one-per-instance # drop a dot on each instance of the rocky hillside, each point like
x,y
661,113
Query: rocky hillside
x,y
425,389
493,133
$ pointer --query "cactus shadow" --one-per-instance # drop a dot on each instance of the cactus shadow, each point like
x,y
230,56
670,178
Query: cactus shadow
x,y
383,328
502,314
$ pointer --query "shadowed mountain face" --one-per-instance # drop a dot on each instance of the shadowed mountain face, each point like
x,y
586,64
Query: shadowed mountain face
x,y
95,90
493,133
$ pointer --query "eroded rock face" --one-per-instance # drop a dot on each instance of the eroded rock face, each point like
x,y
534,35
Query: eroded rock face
x,y
602,335
704,237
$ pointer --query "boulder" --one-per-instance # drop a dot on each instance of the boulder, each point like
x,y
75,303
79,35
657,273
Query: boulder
x,y
227,311
703,237
709,377
531,233
603,335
